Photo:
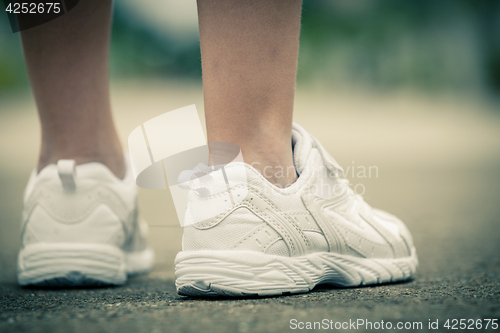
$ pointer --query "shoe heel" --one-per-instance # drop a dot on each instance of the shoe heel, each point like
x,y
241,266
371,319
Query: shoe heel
x,y
235,274
71,265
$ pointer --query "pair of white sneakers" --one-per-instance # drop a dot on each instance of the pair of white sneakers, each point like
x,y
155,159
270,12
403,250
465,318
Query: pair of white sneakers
x,y
80,227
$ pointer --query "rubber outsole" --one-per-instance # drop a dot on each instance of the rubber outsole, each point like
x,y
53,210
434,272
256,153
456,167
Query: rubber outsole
x,y
79,265
246,273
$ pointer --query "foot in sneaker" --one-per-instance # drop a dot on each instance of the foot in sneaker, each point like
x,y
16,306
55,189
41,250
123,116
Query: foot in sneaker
x,y
275,241
80,228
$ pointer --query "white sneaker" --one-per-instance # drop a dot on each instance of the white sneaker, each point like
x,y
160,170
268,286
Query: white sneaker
x,y
80,228
289,240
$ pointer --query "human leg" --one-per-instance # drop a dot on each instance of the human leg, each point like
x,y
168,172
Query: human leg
x,y
249,57
67,61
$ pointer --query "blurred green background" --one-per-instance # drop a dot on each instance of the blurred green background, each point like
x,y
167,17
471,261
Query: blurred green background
x,y
409,86
429,46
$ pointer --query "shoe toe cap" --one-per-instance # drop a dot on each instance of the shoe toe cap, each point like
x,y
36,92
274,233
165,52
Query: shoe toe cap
x,y
403,233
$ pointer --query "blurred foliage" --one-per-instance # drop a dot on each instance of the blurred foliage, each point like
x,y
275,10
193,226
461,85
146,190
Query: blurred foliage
x,y
383,44
139,49
12,70
425,44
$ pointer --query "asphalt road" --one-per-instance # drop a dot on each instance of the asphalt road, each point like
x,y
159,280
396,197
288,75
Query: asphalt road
x,y
441,176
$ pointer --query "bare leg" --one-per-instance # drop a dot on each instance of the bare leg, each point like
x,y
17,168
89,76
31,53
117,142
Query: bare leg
x,y
249,54
67,61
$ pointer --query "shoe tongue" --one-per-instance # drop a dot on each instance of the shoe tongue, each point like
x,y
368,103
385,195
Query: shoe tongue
x,y
303,143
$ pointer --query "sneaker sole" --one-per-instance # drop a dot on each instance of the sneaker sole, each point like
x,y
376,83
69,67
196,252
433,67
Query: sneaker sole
x,y
246,273
79,265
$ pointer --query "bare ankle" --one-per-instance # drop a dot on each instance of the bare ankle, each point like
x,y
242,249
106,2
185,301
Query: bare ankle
x,y
112,157
278,171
